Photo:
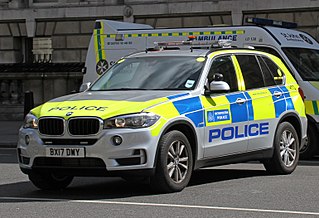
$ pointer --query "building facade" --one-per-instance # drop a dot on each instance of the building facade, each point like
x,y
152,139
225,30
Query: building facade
x,y
43,43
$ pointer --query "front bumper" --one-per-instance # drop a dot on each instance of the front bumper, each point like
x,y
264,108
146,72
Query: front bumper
x,y
134,156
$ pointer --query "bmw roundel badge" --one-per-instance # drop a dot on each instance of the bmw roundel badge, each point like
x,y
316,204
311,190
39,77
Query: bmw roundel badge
x,y
69,113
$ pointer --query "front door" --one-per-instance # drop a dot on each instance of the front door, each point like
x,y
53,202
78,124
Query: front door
x,y
226,114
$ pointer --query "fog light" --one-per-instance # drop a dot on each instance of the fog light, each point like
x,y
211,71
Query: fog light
x,y
27,140
117,140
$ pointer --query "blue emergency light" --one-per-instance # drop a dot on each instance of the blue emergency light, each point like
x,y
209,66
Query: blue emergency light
x,y
269,22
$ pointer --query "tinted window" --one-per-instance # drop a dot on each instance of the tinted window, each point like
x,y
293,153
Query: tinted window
x,y
268,76
224,65
268,50
306,62
275,70
251,71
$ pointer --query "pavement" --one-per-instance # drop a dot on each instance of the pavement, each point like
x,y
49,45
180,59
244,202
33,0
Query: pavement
x,y
9,131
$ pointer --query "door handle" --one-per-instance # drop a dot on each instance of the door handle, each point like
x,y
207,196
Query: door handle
x,y
240,101
277,94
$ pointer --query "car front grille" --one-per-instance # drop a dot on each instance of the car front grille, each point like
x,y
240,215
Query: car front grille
x,y
51,126
84,126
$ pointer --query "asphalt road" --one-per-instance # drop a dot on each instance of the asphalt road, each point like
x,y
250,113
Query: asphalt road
x,y
242,190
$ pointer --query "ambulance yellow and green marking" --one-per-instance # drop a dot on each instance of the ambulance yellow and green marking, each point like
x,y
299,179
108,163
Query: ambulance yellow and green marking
x,y
99,43
175,34
99,37
312,107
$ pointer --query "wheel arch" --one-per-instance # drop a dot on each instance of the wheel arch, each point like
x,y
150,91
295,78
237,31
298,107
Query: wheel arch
x,y
188,130
294,120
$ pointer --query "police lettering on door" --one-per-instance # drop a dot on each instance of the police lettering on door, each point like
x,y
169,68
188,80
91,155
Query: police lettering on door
x,y
234,132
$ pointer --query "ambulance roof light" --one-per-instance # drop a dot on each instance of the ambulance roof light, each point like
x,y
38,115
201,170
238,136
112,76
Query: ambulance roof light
x,y
269,22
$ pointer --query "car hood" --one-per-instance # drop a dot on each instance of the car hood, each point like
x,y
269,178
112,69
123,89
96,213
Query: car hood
x,y
104,104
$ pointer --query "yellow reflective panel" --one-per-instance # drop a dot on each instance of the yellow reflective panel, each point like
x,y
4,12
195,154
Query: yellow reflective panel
x,y
263,104
200,59
167,111
298,103
97,108
215,107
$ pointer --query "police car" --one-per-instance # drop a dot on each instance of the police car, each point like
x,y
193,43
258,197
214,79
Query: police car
x,y
162,114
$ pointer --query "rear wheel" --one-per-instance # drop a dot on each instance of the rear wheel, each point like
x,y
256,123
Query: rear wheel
x,y
50,181
310,148
286,150
175,163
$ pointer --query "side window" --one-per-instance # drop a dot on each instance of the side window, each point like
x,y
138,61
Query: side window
x,y
275,71
251,71
268,76
224,65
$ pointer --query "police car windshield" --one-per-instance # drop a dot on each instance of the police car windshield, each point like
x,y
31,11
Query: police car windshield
x,y
152,73
306,62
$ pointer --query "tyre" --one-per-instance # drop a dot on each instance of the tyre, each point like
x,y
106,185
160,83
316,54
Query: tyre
x,y
174,163
286,150
50,181
310,148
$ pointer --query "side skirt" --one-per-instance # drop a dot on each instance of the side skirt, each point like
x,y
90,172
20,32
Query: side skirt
x,y
232,159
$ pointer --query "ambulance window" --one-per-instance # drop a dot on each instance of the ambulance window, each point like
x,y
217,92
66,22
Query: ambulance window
x,y
251,71
275,70
268,50
224,65
268,76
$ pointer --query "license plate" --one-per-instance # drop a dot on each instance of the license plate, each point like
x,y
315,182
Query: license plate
x,y
65,152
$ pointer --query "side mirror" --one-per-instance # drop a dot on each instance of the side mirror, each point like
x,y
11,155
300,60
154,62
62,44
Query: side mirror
x,y
218,87
84,86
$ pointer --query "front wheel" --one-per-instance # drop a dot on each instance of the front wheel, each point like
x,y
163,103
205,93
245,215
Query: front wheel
x,y
175,163
50,181
286,150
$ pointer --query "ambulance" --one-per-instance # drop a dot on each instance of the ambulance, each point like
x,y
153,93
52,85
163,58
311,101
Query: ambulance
x,y
299,51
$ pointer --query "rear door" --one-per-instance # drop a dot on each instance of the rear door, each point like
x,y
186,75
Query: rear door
x,y
265,99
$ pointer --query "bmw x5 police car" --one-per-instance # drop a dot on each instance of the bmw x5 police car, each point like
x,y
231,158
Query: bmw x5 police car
x,y
163,114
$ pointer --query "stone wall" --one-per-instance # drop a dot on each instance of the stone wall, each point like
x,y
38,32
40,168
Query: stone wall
x,y
69,25
45,86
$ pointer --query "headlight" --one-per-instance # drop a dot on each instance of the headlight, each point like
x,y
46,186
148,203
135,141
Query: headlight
x,y
131,121
30,121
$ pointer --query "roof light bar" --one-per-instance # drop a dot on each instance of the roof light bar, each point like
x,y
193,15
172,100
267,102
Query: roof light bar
x,y
212,44
269,22
182,43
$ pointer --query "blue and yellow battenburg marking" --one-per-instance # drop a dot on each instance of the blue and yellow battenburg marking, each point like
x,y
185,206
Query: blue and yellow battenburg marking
x,y
195,108
191,108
